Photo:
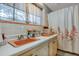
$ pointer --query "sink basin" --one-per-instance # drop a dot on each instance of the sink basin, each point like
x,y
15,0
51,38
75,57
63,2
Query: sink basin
x,y
17,43
45,35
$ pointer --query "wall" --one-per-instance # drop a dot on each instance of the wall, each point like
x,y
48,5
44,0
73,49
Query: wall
x,y
13,29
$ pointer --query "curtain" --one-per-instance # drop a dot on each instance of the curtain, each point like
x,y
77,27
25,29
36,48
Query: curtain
x,y
76,30
68,29
66,23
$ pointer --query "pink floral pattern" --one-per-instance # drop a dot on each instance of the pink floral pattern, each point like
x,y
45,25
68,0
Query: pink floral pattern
x,y
73,32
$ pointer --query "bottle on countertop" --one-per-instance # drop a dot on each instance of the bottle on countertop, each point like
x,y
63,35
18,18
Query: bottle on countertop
x,y
4,39
3,36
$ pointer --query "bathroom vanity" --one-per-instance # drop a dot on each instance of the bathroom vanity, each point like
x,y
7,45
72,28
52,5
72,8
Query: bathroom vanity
x,y
44,46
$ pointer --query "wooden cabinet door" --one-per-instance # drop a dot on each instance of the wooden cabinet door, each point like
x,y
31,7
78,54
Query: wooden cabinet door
x,y
42,51
52,47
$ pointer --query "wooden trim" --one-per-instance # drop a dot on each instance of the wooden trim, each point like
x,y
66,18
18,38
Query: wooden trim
x,y
68,52
14,22
37,6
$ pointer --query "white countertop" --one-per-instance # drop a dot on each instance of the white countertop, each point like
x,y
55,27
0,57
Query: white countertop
x,y
8,49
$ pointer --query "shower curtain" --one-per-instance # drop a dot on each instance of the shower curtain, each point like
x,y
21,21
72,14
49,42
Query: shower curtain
x,y
66,23
68,29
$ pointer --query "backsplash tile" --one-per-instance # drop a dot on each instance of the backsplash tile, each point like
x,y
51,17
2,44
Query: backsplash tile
x,y
11,30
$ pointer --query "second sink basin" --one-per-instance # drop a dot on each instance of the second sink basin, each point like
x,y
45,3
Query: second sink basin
x,y
17,43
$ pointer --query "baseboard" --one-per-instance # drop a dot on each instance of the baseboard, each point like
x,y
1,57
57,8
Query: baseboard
x,y
68,52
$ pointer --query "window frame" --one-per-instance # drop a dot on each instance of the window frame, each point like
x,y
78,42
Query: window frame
x,y
16,14
8,17
26,14
35,14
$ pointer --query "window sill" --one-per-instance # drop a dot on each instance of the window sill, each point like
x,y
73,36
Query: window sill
x,y
15,22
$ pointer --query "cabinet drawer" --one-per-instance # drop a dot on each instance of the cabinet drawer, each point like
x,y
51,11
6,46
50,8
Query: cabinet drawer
x,y
35,51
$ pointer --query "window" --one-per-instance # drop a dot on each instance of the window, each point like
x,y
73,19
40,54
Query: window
x,y
38,20
12,12
17,12
34,14
20,15
6,12
20,6
30,18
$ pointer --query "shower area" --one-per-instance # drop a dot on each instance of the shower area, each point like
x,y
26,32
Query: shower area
x,y
66,22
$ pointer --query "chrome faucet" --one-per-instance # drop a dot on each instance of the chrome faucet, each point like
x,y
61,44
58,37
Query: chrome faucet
x,y
20,37
31,34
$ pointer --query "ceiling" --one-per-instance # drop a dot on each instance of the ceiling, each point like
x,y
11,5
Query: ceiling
x,y
57,6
